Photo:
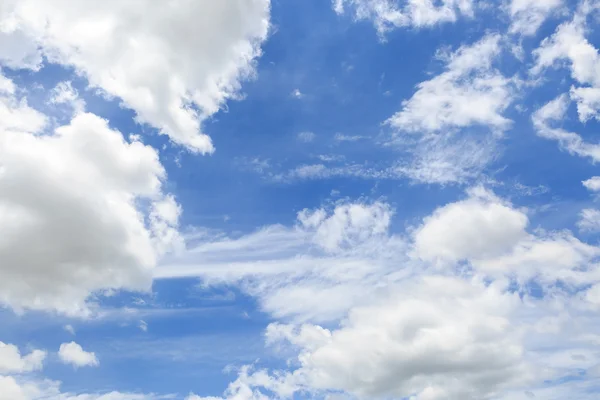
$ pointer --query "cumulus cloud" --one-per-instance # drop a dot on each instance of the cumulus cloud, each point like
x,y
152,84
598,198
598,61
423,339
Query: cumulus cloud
x,y
71,214
389,14
394,348
11,360
368,316
174,65
480,226
72,353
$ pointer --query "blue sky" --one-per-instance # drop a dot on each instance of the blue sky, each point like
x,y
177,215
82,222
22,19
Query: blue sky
x,y
255,199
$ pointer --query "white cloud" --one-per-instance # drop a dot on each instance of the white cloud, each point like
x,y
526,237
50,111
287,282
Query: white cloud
x,y
72,353
64,93
297,94
70,211
315,270
175,66
391,326
15,113
570,44
479,227
469,92
69,328
449,158
389,14
349,225
339,137
528,15
592,184
12,362
589,220
553,112
408,344
306,136
19,388
446,113
10,389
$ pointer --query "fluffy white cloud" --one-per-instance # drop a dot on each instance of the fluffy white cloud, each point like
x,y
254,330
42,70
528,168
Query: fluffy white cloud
x,y
469,92
72,212
394,327
72,353
491,235
390,14
11,360
592,184
174,64
481,226
528,15
441,338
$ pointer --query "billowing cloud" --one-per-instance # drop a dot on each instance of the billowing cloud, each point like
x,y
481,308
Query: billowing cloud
x,y
70,210
174,64
480,226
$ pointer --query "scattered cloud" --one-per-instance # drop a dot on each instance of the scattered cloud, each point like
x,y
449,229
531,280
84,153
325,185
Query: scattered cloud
x,y
553,113
592,184
469,92
589,220
72,353
306,136
69,328
569,43
389,14
528,15
296,93
339,137
462,275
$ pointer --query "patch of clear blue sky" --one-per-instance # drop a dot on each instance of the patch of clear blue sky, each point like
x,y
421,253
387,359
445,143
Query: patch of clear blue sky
x,y
351,82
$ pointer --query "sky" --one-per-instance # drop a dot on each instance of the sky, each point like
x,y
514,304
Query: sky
x,y
299,199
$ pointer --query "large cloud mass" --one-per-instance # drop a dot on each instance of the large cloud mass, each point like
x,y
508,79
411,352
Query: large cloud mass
x,y
174,63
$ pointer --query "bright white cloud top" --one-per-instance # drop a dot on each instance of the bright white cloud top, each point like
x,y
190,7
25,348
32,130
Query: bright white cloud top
x,y
403,206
